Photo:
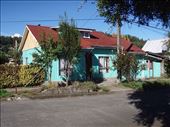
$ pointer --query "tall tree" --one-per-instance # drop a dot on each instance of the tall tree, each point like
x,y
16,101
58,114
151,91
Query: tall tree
x,y
130,11
69,39
140,11
45,55
115,12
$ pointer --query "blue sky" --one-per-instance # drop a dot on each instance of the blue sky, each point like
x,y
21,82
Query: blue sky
x,y
51,10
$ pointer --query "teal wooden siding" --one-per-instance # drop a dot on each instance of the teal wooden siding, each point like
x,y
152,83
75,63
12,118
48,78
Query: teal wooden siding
x,y
157,69
95,63
27,54
79,69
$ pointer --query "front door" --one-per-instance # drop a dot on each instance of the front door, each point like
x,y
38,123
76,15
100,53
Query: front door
x,y
88,66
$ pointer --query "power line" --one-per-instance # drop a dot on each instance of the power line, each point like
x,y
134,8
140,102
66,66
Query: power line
x,y
150,26
46,20
78,19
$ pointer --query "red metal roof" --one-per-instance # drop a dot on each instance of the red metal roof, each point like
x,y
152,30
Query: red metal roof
x,y
38,32
97,38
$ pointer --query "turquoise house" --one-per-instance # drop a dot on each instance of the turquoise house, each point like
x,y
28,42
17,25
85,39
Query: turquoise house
x,y
97,53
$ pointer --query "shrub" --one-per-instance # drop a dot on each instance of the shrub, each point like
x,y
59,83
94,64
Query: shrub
x,y
12,76
127,66
9,76
31,75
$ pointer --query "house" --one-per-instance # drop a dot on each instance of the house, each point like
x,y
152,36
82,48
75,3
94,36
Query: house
x,y
97,53
156,46
157,49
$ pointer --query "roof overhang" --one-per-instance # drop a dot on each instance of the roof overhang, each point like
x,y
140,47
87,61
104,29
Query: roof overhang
x,y
23,39
103,47
155,56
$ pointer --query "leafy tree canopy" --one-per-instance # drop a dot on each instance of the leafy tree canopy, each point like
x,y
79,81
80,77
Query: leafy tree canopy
x,y
69,40
8,49
135,40
140,11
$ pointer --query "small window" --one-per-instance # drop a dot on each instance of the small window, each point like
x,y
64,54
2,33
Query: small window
x,y
61,66
85,34
103,64
149,64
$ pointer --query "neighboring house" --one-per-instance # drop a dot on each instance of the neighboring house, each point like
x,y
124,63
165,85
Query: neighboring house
x,y
157,49
156,46
96,56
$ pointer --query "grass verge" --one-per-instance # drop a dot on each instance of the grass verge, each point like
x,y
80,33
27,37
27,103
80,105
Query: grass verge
x,y
4,93
150,84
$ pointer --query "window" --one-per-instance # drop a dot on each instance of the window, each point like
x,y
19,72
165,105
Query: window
x,y
149,64
103,64
85,34
62,68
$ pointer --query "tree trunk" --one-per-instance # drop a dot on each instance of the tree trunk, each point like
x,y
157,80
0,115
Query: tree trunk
x,y
119,41
118,36
67,73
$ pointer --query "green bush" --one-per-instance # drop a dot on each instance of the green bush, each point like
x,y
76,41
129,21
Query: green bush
x,y
4,93
12,76
31,75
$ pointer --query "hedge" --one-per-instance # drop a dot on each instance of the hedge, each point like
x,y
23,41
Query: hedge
x,y
20,76
8,76
27,73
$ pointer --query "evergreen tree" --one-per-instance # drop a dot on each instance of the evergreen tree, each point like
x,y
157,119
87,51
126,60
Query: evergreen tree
x,y
69,40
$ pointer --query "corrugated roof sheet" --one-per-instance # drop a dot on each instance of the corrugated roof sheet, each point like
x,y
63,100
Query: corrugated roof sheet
x,y
155,46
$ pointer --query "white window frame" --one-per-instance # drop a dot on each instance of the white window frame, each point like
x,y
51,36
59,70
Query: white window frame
x,y
103,67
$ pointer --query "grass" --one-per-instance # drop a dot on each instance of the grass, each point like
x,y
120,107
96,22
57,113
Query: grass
x,y
4,93
150,84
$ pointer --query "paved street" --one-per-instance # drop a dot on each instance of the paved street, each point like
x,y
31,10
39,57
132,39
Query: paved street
x,y
112,110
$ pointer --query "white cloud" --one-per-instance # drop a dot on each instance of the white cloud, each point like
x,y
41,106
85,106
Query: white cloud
x,y
16,35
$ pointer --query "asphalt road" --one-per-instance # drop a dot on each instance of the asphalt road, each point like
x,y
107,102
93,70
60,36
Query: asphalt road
x,y
114,110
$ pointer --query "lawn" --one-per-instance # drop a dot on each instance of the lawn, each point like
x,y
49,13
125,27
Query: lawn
x,y
4,93
148,84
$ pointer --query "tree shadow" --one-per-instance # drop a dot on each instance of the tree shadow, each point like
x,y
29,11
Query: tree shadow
x,y
153,103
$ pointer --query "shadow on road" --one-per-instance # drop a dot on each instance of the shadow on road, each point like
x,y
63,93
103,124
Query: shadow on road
x,y
153,103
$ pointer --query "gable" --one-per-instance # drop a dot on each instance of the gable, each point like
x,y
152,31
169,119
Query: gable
x,y
30,42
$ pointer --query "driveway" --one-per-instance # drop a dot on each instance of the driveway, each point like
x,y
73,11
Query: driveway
x,y
114,110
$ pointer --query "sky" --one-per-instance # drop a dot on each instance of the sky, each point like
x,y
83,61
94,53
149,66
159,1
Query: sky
x,y
29,11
